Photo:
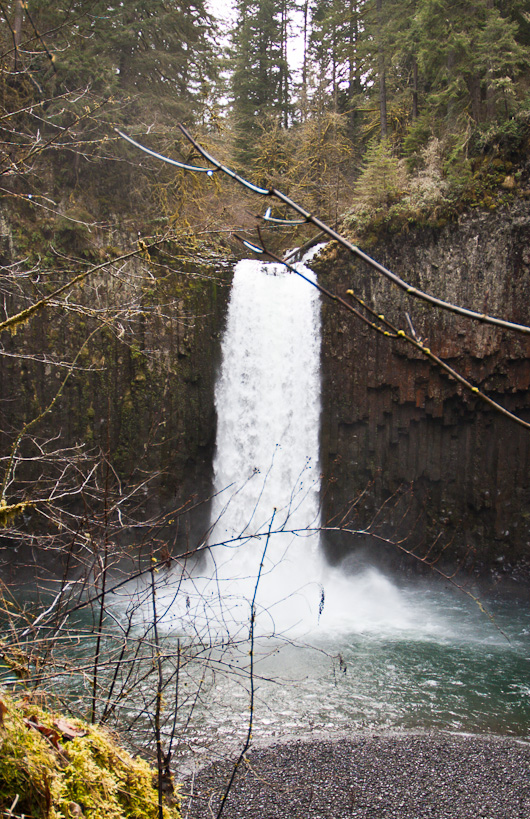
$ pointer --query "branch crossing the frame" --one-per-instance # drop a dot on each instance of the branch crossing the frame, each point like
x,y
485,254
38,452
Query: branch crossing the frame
x,y
307,218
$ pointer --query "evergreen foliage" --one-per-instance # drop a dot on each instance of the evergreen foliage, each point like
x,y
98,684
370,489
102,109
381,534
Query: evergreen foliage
x,y
159,51
336,48
390,69
260,76
400,71
382,180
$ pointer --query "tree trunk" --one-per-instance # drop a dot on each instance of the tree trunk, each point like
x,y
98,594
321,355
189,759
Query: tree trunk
x,y
490,93
17,31
473,85
303,94
354,79
381,71
414,89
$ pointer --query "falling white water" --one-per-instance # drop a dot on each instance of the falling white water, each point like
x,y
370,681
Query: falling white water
x,y
264,551
266,470
268,407
265,541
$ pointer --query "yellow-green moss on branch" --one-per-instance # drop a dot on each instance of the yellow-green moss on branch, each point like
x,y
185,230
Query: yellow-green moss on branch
x,y
8,511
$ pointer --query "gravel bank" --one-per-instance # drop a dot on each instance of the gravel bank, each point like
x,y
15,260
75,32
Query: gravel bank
x,y
401,776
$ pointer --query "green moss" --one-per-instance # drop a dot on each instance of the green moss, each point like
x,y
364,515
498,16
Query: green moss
x,y
10,511
55,777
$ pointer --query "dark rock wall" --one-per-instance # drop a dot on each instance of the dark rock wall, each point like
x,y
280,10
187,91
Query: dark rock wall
x,y
141,396
407,452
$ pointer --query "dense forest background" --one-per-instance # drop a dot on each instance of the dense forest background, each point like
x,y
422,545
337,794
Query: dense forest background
x,y
356,109
377,116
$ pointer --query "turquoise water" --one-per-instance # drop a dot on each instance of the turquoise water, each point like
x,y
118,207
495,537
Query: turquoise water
x,y
455,670
442,664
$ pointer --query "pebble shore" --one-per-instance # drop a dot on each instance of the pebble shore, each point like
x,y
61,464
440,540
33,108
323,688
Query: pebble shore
x,y
399,776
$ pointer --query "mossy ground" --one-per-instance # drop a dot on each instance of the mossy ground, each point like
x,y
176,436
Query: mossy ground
x,y
52,776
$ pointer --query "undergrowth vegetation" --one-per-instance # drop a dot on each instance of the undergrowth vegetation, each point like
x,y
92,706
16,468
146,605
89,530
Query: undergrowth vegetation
x,y
53,768
438,180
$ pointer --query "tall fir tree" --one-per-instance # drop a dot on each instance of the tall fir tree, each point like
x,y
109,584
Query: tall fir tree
x,y
470,56
335,46
159,51
260,78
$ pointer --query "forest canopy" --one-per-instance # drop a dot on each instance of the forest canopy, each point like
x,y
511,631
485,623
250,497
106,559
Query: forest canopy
x,y
407,98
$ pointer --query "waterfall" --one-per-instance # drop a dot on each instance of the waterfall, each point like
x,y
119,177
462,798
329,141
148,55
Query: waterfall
x,y
268,404
266,468
264,550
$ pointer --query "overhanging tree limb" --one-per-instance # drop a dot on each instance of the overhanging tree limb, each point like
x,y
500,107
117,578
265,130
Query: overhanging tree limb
x,y
329,231
391,331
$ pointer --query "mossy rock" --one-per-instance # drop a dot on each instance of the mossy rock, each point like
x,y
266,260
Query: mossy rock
x,y
57,769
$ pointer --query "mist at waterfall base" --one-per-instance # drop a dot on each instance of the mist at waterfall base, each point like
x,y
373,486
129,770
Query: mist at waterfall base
x,y
265,550
332,650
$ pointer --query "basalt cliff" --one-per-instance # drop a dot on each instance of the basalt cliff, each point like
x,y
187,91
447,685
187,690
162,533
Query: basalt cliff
x,y
411,460
408,453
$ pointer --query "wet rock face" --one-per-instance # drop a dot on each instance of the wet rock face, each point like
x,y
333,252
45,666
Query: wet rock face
x,y
407,452
142,394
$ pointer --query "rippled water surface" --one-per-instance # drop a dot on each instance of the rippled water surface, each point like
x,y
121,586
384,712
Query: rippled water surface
x,y
452,668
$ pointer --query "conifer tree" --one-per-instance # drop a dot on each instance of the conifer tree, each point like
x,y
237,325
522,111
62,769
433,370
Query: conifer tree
x,y
260,79
470,55
158,51
335,45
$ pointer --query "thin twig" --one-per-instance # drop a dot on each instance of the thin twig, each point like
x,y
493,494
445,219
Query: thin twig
x,y
158,708
248,737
